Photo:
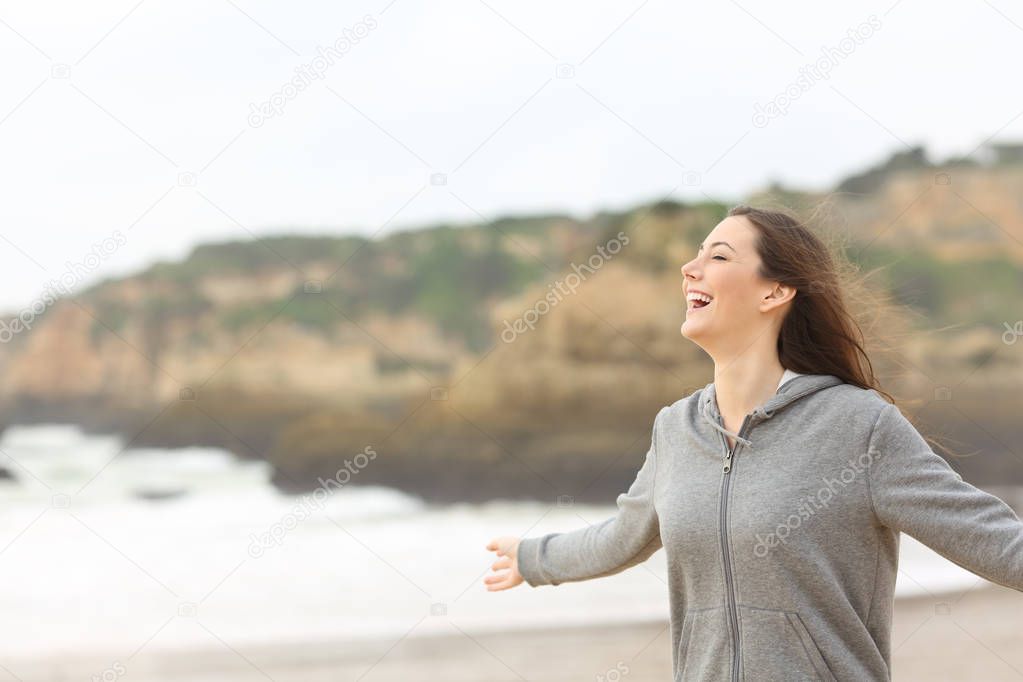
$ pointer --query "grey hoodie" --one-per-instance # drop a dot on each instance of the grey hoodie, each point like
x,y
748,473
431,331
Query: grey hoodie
x,y
782,556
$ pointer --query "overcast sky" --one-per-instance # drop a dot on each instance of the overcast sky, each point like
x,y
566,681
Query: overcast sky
x,y
134,121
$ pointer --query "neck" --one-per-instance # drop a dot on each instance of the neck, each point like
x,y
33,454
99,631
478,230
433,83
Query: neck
x,y
746,381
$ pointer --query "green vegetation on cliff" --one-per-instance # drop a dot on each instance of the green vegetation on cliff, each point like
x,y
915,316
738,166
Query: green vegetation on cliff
x,y
398,313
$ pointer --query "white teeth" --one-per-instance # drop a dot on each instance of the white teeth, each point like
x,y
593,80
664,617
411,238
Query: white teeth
x,y
698,297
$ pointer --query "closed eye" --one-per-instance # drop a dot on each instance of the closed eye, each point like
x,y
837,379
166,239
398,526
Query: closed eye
x,y
721,257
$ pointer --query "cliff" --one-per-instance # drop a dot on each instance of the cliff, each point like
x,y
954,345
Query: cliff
x,y
523,357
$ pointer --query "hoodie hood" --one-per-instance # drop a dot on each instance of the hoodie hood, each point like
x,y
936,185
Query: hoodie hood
x,y
789,392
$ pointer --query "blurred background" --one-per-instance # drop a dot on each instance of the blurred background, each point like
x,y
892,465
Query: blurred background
x,y
305,304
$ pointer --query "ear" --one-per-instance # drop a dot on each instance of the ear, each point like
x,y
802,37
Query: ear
x,y
779,295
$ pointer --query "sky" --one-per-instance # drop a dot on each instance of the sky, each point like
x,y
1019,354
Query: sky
x,y
132,131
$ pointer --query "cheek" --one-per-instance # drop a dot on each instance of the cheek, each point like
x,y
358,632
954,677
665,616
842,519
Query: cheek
x,y
737,301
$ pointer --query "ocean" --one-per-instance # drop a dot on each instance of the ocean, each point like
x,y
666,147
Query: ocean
x,y
114,550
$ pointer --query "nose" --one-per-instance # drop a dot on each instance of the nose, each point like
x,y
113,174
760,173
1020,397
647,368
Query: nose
x,y
687,269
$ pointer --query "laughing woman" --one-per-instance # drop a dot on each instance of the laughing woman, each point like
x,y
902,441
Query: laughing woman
x,y
780,489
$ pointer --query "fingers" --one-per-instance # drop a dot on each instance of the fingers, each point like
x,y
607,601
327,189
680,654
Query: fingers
x,y
505,576
500,581
497,545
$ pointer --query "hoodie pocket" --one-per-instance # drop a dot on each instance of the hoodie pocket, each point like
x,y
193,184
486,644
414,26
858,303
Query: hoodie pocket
x,y
776,644
703,647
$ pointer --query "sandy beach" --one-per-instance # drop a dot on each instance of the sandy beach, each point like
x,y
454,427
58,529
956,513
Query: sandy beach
x,y
976,634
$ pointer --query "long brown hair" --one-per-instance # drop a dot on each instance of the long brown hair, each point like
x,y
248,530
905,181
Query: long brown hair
x,y
821,334
823,331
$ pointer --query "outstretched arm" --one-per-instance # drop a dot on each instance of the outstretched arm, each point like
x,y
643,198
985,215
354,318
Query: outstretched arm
x,y
915,491
602,549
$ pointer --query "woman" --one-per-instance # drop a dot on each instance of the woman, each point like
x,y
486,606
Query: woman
x,y
778,490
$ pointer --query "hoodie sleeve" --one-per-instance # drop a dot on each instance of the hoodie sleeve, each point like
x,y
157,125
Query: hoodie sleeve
x,y
624,540
916,491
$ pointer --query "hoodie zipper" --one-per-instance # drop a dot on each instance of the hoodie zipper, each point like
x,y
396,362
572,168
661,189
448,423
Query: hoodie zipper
x,y
729,582
725,481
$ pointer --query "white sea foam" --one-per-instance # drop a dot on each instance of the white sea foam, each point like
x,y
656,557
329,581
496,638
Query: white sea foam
x,y
110,570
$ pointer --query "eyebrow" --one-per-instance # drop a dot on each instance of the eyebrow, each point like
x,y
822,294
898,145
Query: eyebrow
x,y
716,243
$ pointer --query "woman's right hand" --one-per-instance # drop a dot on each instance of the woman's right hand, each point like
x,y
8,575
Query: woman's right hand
x,y
506,568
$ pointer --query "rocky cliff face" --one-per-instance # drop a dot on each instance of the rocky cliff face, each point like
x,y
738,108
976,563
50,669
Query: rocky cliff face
x,y
107,345
963,212
509,356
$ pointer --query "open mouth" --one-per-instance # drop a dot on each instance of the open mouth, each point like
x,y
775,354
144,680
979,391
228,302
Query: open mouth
x,y
697,302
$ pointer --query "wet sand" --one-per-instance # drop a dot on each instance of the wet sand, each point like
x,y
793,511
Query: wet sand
x,y
976,634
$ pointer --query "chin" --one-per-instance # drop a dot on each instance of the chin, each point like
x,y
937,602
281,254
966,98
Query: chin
x,y
690,331
693,327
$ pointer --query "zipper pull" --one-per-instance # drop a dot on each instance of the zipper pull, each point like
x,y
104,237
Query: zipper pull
x,y
728,462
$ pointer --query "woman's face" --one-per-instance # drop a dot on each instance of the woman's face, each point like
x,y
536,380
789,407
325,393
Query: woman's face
x,y
725,268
